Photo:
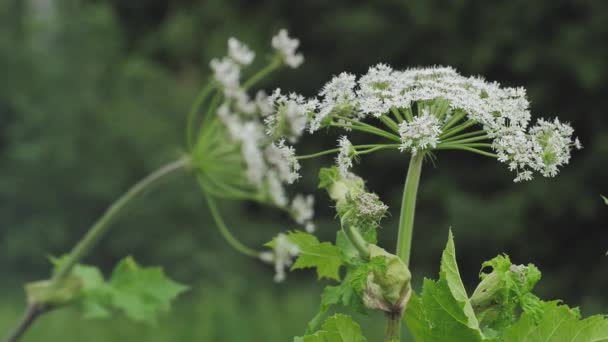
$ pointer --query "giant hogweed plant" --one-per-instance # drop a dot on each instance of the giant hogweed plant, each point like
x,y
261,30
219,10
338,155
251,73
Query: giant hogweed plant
x,y
240,147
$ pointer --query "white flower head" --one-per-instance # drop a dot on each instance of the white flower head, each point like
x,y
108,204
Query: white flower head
x,y
519,151
282,256
345,156
283,159
291,115
226,72
378,90
555,139
338,97
421,133
286,47
240,52
302,208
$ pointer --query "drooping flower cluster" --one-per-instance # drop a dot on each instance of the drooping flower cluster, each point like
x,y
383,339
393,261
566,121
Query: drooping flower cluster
x,y
269,163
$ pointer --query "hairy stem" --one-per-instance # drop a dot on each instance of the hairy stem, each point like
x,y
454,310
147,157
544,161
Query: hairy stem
x,y
352,234
32,312
102,225
392,333
93,235
200,98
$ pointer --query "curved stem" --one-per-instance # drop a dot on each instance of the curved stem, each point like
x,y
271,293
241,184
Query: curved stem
x,y
232,241
466,148
450,132
465,135
397,114
275,64
389,123
200,98
453,120
32,312
375,131
368,126
467,140
93,235
104,222
352,234
369,148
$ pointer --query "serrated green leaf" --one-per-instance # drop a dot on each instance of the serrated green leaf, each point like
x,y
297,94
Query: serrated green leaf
x,y
443,312
142,292
449,272
558,323
323,256
338,328
349,291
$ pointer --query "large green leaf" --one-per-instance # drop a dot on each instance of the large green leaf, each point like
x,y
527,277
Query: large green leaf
x,y
442,312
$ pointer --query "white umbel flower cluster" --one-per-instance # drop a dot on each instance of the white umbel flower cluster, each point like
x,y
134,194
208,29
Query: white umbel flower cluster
x,y
287,47
290,115
429,98
338,96
282,256
421,133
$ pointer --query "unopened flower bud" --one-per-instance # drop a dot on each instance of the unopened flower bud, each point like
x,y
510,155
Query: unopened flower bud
x,y
388,291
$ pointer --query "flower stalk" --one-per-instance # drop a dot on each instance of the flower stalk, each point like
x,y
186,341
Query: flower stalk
x,y
88,242
404,238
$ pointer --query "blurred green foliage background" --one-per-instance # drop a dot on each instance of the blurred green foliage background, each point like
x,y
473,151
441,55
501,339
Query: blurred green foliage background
x,y
94,94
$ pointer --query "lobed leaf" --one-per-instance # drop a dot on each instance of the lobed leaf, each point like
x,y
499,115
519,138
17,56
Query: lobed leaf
x,y
323,256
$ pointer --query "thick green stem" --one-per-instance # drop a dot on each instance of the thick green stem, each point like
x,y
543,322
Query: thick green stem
x,y
104,222
406,229
408,208
393,328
